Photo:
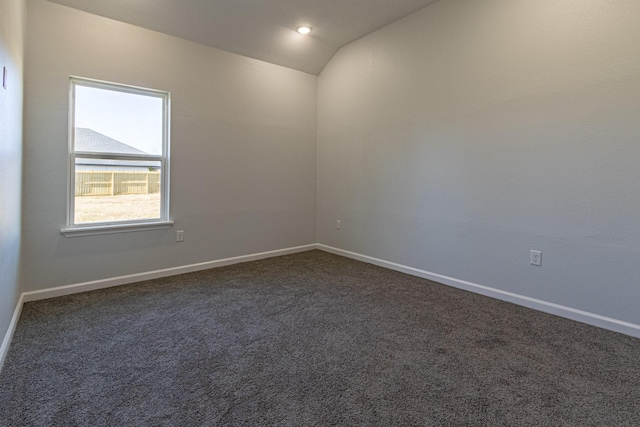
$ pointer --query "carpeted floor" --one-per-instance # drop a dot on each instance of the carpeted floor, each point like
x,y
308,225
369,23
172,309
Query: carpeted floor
x,y
310,339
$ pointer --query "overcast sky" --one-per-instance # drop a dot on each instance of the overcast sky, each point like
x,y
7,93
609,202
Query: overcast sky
x,y
135,120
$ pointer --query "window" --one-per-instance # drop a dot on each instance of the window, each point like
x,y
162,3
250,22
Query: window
x,y
118,158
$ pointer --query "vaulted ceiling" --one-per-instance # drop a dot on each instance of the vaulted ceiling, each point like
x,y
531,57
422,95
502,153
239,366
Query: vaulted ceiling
x,y
261,29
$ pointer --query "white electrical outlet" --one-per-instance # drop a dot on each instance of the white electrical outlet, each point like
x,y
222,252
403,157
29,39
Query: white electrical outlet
x,y
338,224
180,236
535,257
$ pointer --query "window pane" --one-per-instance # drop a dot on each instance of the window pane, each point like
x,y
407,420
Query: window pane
x,y
108,190
110,121
119,146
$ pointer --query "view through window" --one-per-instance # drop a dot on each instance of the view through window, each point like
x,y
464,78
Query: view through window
x,y
118,154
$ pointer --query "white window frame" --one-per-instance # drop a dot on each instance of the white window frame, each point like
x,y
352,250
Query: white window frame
x,y
72,229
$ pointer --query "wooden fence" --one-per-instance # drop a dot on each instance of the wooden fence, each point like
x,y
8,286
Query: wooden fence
x,y
103,183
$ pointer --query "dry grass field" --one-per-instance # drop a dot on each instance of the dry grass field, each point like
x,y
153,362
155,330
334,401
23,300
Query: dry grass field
x,y
90,209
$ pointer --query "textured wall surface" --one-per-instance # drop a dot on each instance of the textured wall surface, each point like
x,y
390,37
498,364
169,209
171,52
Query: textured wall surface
x,y
467,134
243,149
12,20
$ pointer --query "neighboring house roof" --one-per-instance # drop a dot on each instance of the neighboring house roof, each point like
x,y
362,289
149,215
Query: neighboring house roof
x,y
89,140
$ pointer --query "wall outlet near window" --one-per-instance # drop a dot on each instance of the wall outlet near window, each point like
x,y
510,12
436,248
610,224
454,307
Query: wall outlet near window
x,y
338,224
535,257
180,236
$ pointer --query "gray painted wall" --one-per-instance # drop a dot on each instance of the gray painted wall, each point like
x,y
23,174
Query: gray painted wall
x,y
467,134
243,156
12,20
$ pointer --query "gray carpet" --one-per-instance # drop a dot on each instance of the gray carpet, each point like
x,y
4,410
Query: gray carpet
x,y
310,339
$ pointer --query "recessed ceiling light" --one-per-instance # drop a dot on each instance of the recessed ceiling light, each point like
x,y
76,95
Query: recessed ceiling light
x,y
304,30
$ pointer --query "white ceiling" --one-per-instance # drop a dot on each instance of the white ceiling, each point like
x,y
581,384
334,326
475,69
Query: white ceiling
x,y
261,29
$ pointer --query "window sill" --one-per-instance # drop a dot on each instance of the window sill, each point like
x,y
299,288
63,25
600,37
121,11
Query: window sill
x,y
93,230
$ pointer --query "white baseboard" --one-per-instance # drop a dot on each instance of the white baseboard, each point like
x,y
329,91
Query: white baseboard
x,y
536,304
165,272
6,341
